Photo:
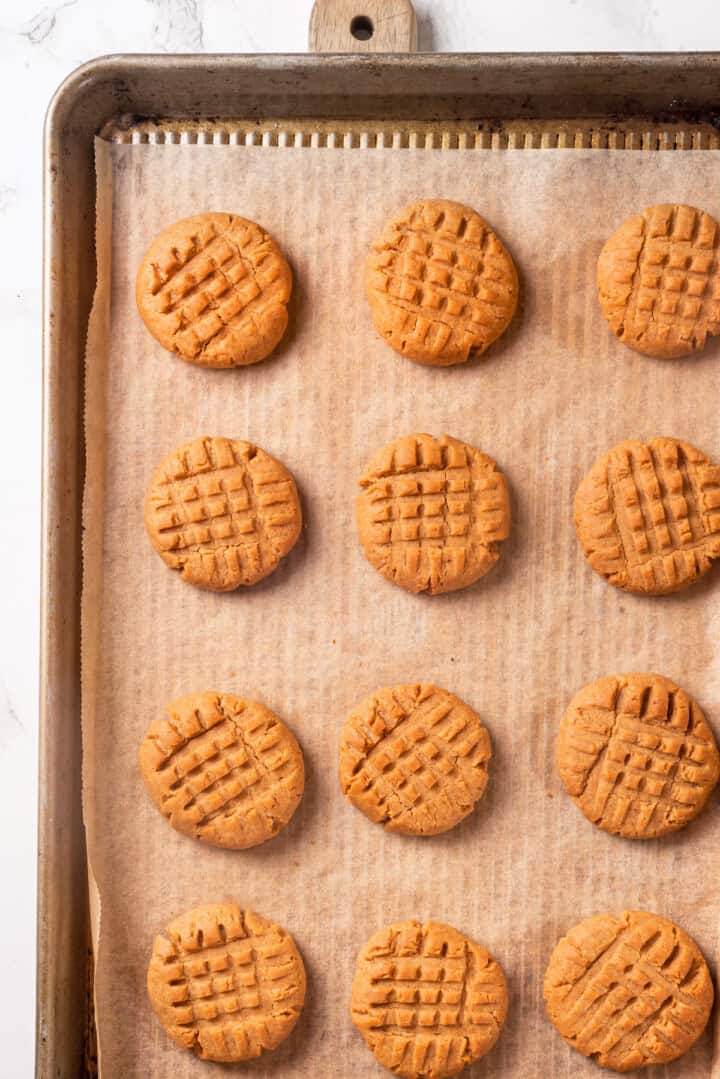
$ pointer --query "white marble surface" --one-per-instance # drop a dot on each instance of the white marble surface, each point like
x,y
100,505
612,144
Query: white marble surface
x,y
39,45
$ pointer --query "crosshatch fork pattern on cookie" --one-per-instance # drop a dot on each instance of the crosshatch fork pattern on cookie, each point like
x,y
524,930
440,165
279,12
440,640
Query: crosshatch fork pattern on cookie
x,y
214,288
648,515
629,990
223,769
414,758
637,754
449,284
432,512
223,512
659,280
226,983
426,999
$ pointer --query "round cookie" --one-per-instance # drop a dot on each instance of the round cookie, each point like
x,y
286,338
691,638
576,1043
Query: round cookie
x,y
214,289
223,769
441,286
432,513
427,999
658,279
222,512
648,515
226,983
414,758
628,990
636,755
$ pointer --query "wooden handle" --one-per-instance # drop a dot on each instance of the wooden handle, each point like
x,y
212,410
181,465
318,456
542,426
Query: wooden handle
x,y
363,26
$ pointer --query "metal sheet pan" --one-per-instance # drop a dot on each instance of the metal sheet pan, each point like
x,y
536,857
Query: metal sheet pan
x,y
649,101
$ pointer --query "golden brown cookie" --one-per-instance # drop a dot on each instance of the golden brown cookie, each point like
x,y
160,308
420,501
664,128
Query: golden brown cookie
x,y
226,983
628,990
427,999
432,513
223,769
648,515
414,758
214,289
658,278
636,755
440,283
222,512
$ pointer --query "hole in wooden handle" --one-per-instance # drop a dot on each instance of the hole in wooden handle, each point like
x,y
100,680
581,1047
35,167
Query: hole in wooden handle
x,y
361,27
366,26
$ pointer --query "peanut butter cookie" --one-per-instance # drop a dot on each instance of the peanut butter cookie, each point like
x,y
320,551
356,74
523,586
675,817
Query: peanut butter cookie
x,y
636,755
214,289
414,758
648,515
226,983
222,512
427,1000
658,278
432,513
628,990
440,283
223,769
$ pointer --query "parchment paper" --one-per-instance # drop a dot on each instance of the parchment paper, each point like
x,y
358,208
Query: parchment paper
x,y
326,629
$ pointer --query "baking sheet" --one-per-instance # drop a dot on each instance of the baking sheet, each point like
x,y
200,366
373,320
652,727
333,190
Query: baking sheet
x,y
326,629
